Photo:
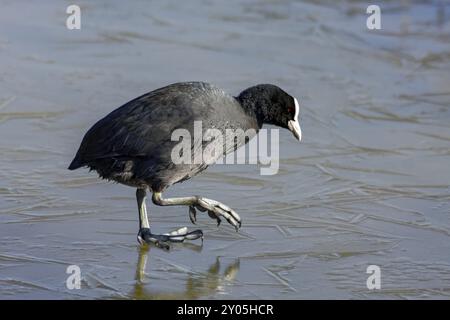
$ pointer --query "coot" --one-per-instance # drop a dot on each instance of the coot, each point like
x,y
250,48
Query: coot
x,y
133,144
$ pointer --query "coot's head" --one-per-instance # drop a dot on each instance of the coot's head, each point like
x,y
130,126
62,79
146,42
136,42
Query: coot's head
x,y
271,105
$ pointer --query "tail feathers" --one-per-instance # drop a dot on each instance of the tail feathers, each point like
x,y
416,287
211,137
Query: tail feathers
x,y
76,163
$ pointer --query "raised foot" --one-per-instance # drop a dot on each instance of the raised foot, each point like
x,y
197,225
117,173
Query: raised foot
x,y
215,210
163,240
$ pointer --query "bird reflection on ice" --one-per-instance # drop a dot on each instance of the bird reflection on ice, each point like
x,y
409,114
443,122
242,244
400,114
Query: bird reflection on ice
x,y
198,284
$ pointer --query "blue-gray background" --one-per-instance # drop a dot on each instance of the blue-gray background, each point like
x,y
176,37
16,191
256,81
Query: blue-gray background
x,y
369,184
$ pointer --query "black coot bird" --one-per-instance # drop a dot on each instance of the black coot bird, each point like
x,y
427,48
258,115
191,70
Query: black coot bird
x,y
132,145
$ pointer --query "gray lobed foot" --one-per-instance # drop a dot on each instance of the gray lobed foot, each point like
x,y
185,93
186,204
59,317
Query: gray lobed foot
x,y
163,240
215,210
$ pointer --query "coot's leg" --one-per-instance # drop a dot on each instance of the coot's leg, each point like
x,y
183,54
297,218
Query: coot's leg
x,y
215,209
160,240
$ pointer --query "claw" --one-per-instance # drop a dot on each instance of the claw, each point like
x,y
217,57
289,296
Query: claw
x,y
216,210
192,214
230,218
213,215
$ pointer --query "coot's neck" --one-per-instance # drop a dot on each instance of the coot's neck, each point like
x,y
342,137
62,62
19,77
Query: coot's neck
x,y
254,105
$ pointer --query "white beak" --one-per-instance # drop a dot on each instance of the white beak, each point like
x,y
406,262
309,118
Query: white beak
x,y
294,125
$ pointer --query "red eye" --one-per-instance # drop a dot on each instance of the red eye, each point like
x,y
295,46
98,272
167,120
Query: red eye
x,y
290,110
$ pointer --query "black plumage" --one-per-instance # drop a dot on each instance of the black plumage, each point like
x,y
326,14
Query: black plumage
x,y
132,144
